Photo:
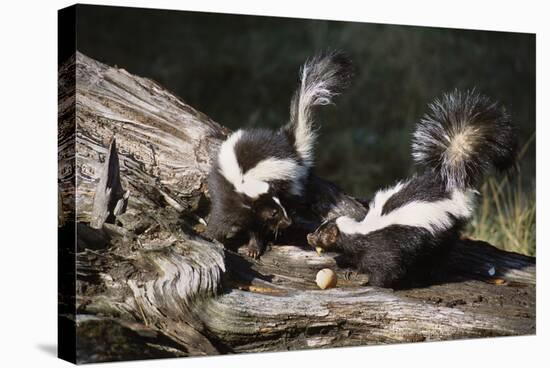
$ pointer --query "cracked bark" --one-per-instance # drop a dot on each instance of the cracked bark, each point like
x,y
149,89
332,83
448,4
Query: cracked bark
x,y
148,284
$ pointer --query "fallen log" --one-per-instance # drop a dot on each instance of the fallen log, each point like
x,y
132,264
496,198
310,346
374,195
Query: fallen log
x,y
147,277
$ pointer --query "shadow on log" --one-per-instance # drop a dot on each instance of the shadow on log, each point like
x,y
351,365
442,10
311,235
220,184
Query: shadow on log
x,y
110,200
148,279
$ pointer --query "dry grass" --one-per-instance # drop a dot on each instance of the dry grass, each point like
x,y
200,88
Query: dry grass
x,y
506,216
241,71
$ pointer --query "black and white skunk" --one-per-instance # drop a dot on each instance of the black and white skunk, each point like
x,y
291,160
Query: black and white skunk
x,y
410,225
259,173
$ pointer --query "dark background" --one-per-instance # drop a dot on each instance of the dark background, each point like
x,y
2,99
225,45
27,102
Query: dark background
x,y
242,70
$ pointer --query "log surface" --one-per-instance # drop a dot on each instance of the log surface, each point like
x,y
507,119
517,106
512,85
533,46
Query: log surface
x,y
147,278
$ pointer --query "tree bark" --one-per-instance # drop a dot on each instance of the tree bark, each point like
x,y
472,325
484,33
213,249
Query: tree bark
x,y
148,279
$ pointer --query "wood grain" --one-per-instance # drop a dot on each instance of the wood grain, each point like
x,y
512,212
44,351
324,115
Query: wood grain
x,y
149,275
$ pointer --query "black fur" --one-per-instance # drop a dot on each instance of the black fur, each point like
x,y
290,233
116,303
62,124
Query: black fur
x,y
228,213
485,138
395,255
233,212
258,144
426,188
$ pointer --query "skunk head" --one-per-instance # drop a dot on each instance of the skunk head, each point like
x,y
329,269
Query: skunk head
x,y
325,236
270,213
254,167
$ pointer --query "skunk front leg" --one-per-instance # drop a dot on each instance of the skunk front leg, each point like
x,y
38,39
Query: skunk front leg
x,y
255,245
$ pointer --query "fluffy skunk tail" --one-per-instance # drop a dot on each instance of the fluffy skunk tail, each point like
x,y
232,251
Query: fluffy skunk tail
x,y
463,136
321,78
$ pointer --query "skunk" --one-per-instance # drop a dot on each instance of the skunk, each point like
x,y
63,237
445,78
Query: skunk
x,y
259,173
411,225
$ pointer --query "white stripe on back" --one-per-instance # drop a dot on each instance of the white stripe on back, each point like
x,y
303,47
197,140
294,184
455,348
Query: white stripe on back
x,y
432,216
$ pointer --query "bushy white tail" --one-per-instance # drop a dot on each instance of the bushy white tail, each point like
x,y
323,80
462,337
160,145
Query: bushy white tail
x,y
463,135
321,78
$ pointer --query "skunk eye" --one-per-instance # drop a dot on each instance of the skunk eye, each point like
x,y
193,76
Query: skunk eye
x,y
274,213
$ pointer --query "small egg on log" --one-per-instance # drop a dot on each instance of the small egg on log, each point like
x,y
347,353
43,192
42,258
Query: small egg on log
x,y
326,278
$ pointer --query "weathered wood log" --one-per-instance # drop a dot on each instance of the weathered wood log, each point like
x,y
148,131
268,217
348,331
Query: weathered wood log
x,y
151,280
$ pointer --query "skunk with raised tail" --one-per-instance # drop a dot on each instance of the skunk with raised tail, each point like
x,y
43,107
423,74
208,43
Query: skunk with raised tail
x,y
410,225
261,173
